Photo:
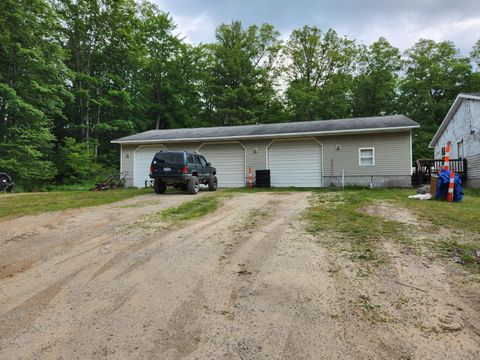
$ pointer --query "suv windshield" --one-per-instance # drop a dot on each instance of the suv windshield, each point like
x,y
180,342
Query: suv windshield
x,y
169,158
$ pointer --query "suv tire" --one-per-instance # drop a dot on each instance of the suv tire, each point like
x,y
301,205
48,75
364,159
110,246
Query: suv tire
x,y
159,186
193,186
212,183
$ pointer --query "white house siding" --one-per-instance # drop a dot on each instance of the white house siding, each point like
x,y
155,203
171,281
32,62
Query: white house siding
x,y
392,158
464,126
465,120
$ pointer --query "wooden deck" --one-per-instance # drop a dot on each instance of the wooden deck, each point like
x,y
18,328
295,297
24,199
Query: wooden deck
x,y
424,168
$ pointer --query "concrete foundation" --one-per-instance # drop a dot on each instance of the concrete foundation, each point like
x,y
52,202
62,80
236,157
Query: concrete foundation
x,y
386,181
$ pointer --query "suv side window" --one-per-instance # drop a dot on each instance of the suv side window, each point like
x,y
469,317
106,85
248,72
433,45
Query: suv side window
x,y
190,159
203,161
197,160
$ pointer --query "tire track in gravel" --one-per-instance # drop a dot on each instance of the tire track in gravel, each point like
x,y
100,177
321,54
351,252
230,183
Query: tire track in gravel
x,y
25,313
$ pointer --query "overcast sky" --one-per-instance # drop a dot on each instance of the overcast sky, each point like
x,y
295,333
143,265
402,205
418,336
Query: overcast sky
x,y
402,22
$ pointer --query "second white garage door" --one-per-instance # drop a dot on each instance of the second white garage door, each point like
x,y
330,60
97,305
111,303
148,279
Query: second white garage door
x,y
295,163
229,160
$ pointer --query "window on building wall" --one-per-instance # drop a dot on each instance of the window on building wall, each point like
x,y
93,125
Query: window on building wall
x,y
443,152
366,156
460,149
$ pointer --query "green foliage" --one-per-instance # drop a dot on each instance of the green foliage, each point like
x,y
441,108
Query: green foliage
x,y
434,75
319,68
32,90
75,162
374,88
243,79
95,70
475,54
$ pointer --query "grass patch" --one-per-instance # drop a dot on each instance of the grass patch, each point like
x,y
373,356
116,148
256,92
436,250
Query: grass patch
x,y
193,209
466,252
14,205
463,215
338,213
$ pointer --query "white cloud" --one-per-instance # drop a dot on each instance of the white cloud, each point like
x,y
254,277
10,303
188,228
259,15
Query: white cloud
x,y
195,29
400,22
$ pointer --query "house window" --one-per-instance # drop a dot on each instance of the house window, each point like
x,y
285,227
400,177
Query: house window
x,y
366,156
460,149
443,152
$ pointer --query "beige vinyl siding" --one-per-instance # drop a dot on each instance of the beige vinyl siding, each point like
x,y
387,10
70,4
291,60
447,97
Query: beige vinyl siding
x,y
256,160
392,154
126,162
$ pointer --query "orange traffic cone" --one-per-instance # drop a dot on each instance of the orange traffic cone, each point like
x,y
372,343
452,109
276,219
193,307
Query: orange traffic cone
x,y
446,164
451,185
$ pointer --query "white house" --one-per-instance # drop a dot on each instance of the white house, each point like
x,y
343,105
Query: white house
x,y
461,126
376,150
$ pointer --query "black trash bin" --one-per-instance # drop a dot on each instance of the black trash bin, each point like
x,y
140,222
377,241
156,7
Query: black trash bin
x,y
262,178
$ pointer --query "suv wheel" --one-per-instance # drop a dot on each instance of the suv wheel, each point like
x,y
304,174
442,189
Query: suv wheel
x,y
159,186
193,186
212,183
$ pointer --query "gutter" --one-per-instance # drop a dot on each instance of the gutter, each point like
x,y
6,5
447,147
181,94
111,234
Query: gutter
x,y
269,136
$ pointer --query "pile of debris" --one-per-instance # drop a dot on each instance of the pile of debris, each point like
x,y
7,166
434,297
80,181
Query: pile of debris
x,y
114,181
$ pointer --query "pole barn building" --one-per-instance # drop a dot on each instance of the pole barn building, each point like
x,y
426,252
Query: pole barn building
x,y
375,150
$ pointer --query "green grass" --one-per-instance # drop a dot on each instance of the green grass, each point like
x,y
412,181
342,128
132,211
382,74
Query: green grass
x,y
463,215
193,209
13,205
339,213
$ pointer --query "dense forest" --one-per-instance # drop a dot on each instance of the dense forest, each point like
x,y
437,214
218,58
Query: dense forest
x,y
75,74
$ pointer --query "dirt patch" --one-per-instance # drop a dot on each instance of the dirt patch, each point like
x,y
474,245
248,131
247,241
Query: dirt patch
x,y
391,212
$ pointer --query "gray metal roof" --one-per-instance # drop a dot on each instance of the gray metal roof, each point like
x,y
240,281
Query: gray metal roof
x,y
292,129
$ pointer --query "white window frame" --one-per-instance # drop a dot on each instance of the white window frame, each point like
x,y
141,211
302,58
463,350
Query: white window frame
x,y
360,156
460,149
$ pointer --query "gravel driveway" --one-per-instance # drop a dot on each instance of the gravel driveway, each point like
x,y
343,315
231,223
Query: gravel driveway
x,y
244,282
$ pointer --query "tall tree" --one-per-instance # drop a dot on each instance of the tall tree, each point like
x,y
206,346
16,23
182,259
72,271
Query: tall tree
x,y
475,54
319,70
32,88
243,77
101,39
375,87
434,75
172,73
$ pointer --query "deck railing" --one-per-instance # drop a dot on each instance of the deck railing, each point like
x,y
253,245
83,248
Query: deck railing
x,y
424,168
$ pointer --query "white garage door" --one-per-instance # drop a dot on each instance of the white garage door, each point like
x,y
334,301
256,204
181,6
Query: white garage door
x,y
141,163
295,163
229,160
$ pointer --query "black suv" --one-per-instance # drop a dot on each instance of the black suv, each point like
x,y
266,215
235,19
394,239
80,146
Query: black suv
x,y
182,170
